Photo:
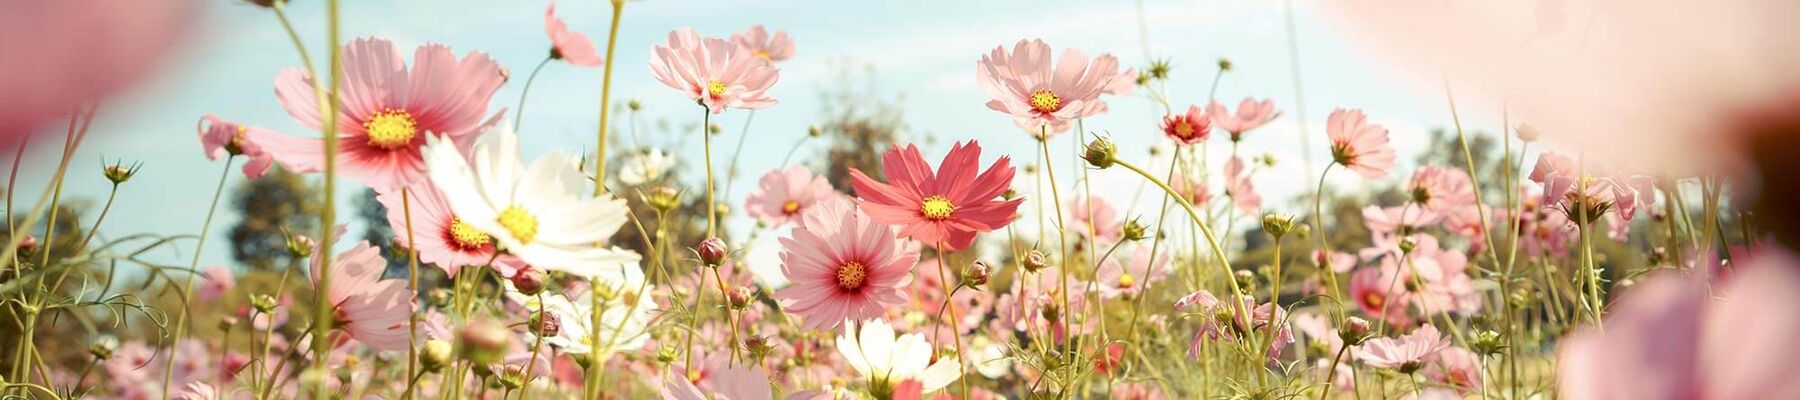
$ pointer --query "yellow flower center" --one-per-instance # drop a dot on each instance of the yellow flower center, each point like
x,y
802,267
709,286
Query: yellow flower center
x,y
790,207
851,275
715,88
466,236
1126,281
236,145
936,208
390,129
762,54
1184,130
520,223
1046,101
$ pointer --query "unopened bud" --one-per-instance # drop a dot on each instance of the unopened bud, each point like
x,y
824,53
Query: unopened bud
x,y
119,173
1035,261
1134,231
227,322
101,349
815,131
1355,331
436,355
1487,343
740,298
1101,153
758,346
440,297
298,246
530,281
512,376
1224,64
1277,225
667,355
546,324
263,303
634,105
482,341
977,274
662,198
712,251
1526,133
28,245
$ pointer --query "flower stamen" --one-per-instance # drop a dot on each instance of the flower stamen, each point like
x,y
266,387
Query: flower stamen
x,y
520,223
936,208
391,129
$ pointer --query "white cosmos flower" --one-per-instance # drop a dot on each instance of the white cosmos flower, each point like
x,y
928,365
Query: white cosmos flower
x,y
624,324
647,166
887,360
537,213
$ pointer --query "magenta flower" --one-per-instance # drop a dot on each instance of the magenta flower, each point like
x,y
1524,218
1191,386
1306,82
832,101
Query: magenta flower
x,y
568,45
843,266
1193,127
1045,96
1441,189
1359,145
443,239
784,194
713,72
61,55
1407,353
368,309
943,209
1251,114
1379,295
1239,188
758,42
221,138
388,111
1095,219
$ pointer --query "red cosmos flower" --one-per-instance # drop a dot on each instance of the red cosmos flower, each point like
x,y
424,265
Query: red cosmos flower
x,y
944,209
1189,128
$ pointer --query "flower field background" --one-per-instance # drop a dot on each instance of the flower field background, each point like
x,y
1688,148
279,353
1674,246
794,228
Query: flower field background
x,y
800,200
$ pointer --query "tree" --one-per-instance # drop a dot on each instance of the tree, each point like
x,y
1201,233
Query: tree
x,y
280,200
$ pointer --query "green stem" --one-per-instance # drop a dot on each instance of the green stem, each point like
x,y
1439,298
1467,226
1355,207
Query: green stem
x,y
193,269
322,319
519,113
612,41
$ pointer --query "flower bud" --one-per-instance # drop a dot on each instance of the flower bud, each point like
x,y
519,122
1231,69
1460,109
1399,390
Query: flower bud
x,y
227,322
740,298
662,198
1051,311
667,355
482,341
1009,194
1355,331
1245,279
815,131
1101,153
634,105
1487,343
530,281
977,274
758,346
1407,245
263,303
1134,231
298,246
1035,261
1224,64
715,129
512,376
440,297
436,355
546,324
102,349
1277,225
713,251
27,246
1526,133
1159,69
119,173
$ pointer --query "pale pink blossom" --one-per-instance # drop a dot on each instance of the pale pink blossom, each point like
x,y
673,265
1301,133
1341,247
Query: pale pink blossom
x,y
1358,144
760,44
219,281
443,239
221,138
1130,276
1457,367
368,309
1096,219
1440,189
63,55
713,72
1047,95
784,194
1406,353
568,45
1239,188
1251,114
843,266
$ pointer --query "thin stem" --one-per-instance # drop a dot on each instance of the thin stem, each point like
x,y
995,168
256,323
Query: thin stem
x,y
1212,241
193,267
1062,237
322,319
519,113
612,41
412,282
712,217
731,173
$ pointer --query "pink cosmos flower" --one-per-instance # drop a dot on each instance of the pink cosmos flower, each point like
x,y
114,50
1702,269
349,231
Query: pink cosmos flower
x,y
1095,219
943,209
739,382
1225,321
198,390
713,72
1401,220
784,194
1340,262
1457,367
388,111
1024,84
568,45
1191,186
843,266
1441,189
1251,114
368,309
1239,188
1193,127
219,281
1378,295
61,55
1575,187
443,240
1130,276
1407,353
1359,145
760,45
1468,221
221,138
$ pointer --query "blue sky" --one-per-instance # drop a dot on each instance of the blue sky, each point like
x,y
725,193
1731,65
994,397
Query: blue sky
x,y
923,52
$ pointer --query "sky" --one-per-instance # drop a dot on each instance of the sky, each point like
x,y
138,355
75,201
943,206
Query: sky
x,y
921,53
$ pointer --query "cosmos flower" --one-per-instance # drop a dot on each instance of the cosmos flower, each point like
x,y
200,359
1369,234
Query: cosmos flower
x,y
64,54
537,213
1191,186
885,359
221,138
1095,219
444,240
784,194
1193,127
219,281
943,209
626,311
1130,276
1239,188
1379,295
842,267
568,45
198,390
1440,189
1025,84
368,309
1223,321
1457,367
730,382
1357,144
647,166
713,72
757,41
388,111
1251,114
1575,188
1407,353
1399,220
